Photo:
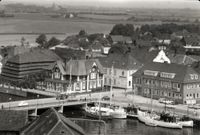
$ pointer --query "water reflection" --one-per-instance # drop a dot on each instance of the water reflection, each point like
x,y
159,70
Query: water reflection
x,y
131,127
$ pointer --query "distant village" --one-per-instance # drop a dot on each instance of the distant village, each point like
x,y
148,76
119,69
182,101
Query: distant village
x,y
159,61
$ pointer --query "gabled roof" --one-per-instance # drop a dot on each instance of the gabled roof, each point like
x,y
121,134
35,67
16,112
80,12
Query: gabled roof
x,y
144,55
121,61
183,59
37,55
181,71
61,66
82,67
13,120
50,122
193,40
117,38
67,54
120,38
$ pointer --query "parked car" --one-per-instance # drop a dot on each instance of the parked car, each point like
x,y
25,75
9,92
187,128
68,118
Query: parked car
x,y
105,98
23,103
166,101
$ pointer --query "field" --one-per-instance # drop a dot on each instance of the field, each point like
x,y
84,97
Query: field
x,y
26,23
104,17
50,26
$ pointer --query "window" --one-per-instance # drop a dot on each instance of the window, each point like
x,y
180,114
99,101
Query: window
x,y
105,70
93,76
150,73
197,95
167,75
129,83
110,71
122,73
115,72
114,81
194,76
105,80
188,86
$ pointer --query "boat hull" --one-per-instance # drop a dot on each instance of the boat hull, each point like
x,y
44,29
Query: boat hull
x,y
118,115
97,116
189,123
152,122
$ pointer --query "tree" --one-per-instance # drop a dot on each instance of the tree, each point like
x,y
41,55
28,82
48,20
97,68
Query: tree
x,y
82,33
120,29
52,42
41,40
23,41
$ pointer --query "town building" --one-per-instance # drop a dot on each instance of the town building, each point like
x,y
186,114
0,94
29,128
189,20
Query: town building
x,y
121,39
52,123
119,68
179,83
86,75
22,65
75,76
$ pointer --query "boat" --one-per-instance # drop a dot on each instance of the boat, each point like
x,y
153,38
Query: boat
x,y
185,121
131,111
146,119
189,123
98,112
149,120
118,112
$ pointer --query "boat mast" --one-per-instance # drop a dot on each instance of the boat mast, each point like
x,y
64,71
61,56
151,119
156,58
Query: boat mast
x,y
151,99
111,85
70,76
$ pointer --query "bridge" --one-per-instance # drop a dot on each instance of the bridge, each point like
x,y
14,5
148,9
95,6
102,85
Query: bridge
x,y
32,106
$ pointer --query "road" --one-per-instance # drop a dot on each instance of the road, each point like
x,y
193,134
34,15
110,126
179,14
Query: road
x,y
120,97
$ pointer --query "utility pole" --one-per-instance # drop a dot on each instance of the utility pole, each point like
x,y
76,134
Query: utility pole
x,y
111,85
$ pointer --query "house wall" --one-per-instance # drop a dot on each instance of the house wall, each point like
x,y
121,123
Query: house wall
x,y
191,92
120,78
158,88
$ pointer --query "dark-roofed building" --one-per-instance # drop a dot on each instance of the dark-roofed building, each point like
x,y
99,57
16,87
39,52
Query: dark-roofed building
x,y
174,81
121,39
66,54
20,66
119,69
85,75
52,123
12,122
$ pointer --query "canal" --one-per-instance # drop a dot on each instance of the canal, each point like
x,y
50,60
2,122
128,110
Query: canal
x,y
124,126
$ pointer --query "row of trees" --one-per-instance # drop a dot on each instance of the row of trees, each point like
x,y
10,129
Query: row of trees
x,y
44,43
156,30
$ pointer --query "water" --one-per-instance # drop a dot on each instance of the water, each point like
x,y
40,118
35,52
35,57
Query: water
x,y
126,127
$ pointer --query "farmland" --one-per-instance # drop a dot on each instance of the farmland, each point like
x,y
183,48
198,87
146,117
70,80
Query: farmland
x,y
104,17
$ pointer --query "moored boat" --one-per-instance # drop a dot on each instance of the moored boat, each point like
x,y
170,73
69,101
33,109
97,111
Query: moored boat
x,y
154,121
118,113
189,123
98,112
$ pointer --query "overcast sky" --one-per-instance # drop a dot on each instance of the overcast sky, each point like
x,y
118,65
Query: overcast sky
x,y
116,3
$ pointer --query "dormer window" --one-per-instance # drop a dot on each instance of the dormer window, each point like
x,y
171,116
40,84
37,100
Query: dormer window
x,y
194,76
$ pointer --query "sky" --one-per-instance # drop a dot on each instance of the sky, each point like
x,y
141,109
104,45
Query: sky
x,y
116,3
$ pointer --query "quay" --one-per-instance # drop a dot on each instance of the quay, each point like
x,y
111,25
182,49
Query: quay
x,y
121,98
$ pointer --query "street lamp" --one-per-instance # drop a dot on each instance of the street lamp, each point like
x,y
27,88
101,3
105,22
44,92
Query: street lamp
x,y
9,102
37,99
